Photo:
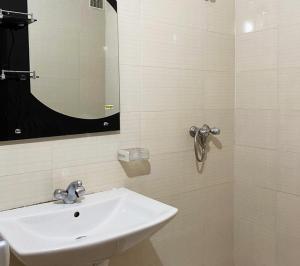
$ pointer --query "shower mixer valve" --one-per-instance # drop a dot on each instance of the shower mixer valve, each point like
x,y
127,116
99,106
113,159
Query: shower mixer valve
x,y
200,136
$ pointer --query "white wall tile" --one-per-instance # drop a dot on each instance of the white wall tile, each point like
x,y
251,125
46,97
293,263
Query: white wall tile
x,y
255,204
218,90
289,130
257,50
288,46
25,158
130,32
177,89
131,82
257,128
289,87
256,15
288,12
288,178
257,166
257,89
254,245
288,215
25,189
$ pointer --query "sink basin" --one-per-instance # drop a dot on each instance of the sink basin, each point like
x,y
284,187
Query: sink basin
x,y
85,233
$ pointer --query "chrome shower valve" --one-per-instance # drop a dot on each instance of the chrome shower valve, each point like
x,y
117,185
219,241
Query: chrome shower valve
x,y
200,136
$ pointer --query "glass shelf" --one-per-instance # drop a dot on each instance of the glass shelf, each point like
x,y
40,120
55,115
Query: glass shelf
x,y
17,75
15,20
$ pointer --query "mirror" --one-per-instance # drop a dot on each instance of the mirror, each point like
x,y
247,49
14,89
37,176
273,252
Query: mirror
x,y
73,47
59,68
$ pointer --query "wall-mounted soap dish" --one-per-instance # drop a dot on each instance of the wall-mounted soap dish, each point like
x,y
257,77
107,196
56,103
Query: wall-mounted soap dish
x,y
133,154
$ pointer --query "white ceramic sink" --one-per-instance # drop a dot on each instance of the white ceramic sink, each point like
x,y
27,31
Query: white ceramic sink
x,y
108,223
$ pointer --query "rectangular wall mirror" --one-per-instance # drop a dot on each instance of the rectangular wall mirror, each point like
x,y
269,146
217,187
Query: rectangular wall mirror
x,y
59,64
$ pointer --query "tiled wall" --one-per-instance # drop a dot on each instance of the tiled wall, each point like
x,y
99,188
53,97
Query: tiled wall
x,y
267,153
177,70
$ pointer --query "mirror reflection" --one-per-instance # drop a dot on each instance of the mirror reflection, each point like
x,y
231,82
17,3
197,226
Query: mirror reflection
x,y
74,50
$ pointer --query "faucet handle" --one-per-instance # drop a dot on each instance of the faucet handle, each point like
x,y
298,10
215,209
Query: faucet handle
x,y
77,183
60,194
215,131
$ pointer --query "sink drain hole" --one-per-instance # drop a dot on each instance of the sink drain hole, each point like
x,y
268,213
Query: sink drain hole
x,y
76,214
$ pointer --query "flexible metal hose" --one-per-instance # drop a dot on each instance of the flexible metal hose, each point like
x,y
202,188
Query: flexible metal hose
x,y
200,147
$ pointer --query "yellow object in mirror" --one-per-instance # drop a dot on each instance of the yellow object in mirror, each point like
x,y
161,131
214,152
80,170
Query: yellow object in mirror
x,y
108,107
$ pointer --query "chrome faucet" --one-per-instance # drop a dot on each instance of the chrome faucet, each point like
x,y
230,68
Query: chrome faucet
x,y
74,191
200,136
